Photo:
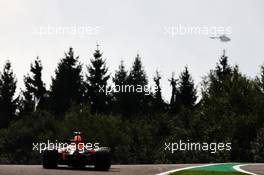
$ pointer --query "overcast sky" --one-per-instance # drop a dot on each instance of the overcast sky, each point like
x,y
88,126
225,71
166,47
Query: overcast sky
x,y
124,28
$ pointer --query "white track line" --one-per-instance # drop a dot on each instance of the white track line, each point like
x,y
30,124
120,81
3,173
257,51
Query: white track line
x,y
186,168
237,167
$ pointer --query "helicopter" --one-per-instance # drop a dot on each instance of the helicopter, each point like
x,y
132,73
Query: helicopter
x,y
222,38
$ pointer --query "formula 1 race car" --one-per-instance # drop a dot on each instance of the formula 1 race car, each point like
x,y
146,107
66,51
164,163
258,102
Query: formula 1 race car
x,y
76,154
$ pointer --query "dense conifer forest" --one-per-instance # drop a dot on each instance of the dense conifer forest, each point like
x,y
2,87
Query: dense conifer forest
x,y
134,124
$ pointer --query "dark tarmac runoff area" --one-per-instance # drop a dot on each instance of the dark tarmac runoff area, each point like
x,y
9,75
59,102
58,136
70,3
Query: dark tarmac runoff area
x,y
65,170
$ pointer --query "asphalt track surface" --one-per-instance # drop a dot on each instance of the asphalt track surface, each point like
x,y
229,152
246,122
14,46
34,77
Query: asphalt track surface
x,y
115,170
257,169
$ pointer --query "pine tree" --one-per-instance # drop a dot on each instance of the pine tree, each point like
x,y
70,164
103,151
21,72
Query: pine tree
x,y
7,92
174,94
120,77
260,79
97,83
120,80
220,78
67,86
137,78
223,69
187,91
34,95
137,75
158,101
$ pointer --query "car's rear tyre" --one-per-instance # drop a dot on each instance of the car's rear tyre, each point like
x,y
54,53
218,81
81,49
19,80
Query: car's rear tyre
x,y
50,159
79,160
102,161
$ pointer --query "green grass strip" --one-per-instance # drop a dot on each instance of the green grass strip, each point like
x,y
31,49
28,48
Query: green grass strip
x,y
218,168
191,172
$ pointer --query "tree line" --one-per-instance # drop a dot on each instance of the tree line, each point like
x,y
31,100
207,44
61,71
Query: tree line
x,y
133,124
70,87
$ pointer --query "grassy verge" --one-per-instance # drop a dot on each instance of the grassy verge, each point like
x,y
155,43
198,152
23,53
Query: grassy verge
x,y
190,172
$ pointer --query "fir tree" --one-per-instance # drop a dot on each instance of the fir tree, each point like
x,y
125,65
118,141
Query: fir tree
x,y
174,94
187,91
67,86
34,95
223,69
137,79
158,101
97,83
260,79
220,78
7,91
137,75
120,77
120,80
